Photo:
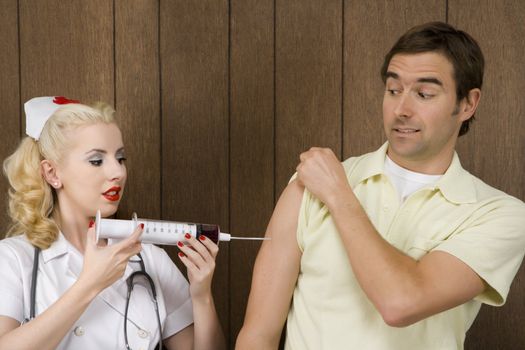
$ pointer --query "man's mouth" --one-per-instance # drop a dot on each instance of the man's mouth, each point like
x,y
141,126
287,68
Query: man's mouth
x,y
406,130
112,194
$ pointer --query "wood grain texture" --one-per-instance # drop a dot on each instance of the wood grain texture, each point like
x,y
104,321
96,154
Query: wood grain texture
x,y
494,148
215,109
138,104
66,48
251,142
10,117
308,81
370,30
195,158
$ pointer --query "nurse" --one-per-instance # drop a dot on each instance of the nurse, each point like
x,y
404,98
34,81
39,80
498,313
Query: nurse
x,y
71,164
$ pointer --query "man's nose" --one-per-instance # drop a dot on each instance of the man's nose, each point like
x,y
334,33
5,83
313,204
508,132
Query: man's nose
x,y
404,106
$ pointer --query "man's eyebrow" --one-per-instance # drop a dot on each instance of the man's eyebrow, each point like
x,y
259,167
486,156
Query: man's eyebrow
x,y
392,75
430,80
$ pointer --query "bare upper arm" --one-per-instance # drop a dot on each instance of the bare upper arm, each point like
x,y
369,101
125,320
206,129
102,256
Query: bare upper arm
x,y
276,268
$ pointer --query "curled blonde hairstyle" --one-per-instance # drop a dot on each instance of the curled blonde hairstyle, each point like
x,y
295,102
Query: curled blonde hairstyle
x,y
32,201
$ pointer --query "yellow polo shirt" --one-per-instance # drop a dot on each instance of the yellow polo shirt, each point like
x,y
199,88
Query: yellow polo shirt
x,y
459,214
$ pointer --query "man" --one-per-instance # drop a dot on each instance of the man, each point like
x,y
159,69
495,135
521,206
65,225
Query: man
x,y
398,248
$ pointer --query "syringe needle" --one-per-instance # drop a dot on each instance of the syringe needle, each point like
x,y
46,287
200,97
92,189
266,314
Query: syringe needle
x,y
252,238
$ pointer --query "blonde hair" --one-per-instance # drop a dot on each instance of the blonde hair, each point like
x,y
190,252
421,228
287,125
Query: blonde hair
x,y
31,199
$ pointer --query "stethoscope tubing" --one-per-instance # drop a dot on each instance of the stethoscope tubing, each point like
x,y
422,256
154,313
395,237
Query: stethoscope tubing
x,y
142,272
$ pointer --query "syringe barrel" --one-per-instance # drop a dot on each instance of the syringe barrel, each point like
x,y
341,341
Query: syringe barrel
x,y
155,231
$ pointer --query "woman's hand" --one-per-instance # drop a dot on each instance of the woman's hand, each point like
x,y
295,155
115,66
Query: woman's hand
x,y
103,265
199,258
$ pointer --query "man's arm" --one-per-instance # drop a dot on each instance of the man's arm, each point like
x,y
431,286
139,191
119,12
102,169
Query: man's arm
x,y
274,275
402,289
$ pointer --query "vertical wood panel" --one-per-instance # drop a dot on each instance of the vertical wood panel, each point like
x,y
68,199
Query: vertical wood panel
x,y
308,81
251,142
194,75
66,48
180,142
371,29
494,148
138,103
9,95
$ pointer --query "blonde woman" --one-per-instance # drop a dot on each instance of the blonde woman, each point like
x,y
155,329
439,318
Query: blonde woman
x,y
63,290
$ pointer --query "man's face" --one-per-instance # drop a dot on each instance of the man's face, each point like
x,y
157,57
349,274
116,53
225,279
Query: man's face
x,y
420,112
92,172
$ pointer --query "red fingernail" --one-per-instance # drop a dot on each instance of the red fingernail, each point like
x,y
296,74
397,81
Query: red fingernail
x,y
141,226
202,237
91,223
180,244
181,255
187,235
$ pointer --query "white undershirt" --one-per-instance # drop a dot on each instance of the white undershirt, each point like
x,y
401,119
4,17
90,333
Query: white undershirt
x,y
405,181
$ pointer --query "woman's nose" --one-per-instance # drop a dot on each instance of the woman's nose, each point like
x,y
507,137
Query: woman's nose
x,y
117,171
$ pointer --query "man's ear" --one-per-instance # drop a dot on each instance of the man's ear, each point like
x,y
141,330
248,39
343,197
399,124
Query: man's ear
x,y
470,104
49,172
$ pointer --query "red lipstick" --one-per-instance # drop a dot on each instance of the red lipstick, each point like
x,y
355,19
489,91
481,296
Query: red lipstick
x,y
112,194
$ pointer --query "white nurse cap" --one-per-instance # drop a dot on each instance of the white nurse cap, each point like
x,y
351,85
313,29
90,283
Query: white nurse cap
x,y
39,109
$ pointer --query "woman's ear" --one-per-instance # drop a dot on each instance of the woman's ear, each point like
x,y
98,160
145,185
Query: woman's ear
x,y
49,173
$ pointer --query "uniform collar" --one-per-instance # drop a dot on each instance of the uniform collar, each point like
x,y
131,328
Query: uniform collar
x,y
66,259
57,249
456,184
62,248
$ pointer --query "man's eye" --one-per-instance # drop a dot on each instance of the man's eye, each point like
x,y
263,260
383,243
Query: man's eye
x,y
424,96
96,162
392,92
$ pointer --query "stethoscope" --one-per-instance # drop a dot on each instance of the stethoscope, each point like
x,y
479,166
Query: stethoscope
x,y
140,273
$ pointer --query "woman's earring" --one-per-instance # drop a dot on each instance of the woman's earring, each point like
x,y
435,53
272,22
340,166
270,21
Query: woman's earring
x,y
55,185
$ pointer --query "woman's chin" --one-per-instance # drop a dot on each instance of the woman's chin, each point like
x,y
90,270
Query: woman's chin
x,y
108,210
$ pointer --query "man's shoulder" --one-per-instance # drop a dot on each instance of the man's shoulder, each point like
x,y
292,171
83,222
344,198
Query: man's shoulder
x,y
488,193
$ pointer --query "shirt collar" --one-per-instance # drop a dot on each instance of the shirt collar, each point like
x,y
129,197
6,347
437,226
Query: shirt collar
x,y
456,184
61,247
368,166
57,249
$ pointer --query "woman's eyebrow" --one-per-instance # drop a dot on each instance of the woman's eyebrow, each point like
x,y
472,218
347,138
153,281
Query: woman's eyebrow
x,y
96,150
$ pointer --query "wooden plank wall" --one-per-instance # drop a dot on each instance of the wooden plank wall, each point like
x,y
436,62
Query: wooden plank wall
x,y
9,92
216,99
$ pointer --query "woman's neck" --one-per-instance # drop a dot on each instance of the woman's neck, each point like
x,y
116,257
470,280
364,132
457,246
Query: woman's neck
x,y
73,228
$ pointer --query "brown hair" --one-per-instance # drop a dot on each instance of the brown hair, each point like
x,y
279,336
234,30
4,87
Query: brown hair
x,y
457,46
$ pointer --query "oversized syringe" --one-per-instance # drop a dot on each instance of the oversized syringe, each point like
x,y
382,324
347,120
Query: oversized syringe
x,y
160,231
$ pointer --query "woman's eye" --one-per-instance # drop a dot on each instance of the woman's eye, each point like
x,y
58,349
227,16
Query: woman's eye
x,y
96,162
121,159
